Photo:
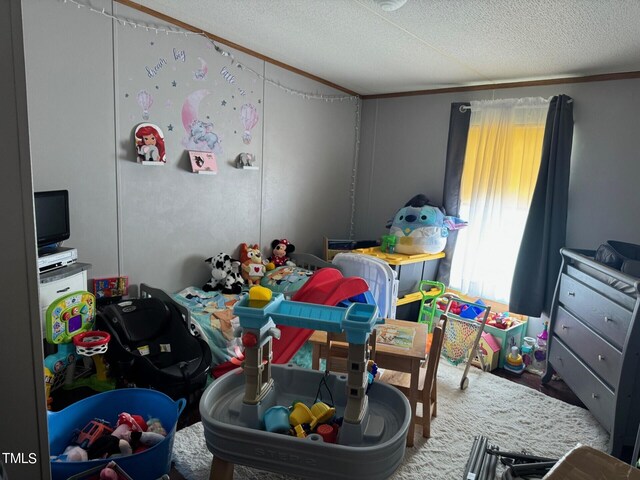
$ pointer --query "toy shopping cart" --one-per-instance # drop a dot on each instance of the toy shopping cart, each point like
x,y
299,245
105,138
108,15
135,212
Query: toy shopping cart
x,y
463,333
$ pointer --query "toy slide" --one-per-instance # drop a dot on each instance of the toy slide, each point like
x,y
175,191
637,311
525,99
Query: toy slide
x,y
327,286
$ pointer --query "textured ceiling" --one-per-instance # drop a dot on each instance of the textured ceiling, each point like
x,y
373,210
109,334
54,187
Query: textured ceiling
x,y
426,44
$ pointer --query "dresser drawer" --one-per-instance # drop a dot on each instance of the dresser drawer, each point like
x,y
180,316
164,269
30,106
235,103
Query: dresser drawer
x,y
602,357
594,394
606,317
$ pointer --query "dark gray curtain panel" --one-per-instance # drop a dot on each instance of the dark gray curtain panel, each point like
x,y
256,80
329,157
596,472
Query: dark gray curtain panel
x,y
545,232
456,148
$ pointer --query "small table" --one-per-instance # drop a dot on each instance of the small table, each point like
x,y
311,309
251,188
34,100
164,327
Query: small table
x,y
398,358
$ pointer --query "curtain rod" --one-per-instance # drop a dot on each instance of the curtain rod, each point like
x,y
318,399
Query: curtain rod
x,y
464,108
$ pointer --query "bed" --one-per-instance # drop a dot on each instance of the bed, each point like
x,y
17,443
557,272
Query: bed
x,y
594,342
211,314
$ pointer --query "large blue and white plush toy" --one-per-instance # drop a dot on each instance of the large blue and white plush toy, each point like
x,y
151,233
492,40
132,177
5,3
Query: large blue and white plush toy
x,y
421,227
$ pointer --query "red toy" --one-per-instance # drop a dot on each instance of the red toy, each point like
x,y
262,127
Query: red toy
x,y
95,429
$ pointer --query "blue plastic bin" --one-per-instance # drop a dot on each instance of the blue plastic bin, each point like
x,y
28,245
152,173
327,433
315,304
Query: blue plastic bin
x,y
150,464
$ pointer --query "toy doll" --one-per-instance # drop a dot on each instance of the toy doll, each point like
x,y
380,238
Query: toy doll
x,y
281,249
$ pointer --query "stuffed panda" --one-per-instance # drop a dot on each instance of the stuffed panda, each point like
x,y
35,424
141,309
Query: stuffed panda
x,y
225,275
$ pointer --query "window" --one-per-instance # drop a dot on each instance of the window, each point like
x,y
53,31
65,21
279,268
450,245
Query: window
x,y
502,160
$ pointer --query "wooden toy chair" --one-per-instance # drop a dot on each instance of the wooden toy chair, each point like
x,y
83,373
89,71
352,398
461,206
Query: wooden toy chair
x,y
427,384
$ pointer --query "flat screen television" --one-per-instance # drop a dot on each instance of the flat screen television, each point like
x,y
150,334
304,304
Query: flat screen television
x,y
52,217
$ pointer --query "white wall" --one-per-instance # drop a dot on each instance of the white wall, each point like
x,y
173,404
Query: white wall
x,y
158,224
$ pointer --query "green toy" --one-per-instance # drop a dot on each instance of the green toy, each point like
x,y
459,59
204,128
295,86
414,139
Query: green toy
x,y
388,243
428,304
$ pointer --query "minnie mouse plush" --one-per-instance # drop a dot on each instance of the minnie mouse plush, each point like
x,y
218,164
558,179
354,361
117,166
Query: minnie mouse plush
x,y
281,249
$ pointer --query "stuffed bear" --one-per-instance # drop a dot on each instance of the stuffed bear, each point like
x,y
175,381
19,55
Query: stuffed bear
x,y
225,275
252,265
281,249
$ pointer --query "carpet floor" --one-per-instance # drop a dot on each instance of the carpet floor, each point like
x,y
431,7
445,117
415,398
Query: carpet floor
x,y
513,416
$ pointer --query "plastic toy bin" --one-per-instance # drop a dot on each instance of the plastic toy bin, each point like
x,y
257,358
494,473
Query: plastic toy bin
x,y
150,464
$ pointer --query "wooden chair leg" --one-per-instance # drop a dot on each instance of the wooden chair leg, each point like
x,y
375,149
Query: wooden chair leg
x,y
412,425
434,400
221,470
426,412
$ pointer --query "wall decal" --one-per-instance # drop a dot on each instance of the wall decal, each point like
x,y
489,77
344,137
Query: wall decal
x,y
200,135
226,74
249,117
150,144
201,73
153,71
179,55
145,100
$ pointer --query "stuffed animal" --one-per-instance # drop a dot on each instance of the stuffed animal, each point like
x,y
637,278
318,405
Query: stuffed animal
x,y
252,264
280,251
422,227
225,275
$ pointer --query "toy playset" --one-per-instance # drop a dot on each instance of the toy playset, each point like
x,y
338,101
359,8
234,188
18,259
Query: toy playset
x,y
369,441
69,325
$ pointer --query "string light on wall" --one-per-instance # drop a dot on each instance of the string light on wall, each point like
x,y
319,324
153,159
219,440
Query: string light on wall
x,y
225,53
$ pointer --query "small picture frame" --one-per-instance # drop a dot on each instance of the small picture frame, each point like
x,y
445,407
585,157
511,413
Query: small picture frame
x,y
149,144
203,163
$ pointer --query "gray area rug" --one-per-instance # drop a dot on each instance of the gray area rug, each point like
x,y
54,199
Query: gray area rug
x,y
512,416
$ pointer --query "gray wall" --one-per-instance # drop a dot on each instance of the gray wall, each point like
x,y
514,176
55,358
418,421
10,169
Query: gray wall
x,y
158,224
23,424
404,148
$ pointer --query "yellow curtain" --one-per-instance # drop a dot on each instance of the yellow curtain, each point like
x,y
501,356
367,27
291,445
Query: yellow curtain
x,y
502,160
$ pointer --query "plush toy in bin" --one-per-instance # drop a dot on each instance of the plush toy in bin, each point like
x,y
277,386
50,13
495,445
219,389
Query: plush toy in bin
x,y
280,251
421,227
225,275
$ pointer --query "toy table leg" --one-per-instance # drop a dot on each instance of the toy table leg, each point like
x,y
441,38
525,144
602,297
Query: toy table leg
x,y
221,470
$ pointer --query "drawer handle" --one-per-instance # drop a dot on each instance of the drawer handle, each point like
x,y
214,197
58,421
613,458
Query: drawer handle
x,y
572,294
601,358
594,395
63,290
607,319
564,327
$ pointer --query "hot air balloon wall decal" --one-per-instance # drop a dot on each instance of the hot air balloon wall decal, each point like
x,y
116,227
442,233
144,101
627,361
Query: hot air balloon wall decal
x,y
145,100
249,117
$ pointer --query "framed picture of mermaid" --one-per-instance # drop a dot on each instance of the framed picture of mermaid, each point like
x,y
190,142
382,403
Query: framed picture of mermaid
x,y
150,144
